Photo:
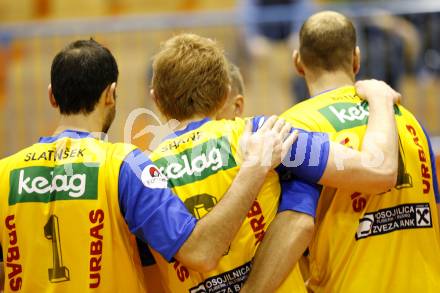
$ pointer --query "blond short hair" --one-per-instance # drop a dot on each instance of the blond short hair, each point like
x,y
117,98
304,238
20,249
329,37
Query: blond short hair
x,y
190,77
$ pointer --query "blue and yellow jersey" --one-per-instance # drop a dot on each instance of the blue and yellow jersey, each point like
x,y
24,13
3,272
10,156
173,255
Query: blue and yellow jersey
x,y
70,205
200,163
374,243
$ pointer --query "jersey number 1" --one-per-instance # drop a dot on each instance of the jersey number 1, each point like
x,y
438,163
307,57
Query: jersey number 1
x,y
58,273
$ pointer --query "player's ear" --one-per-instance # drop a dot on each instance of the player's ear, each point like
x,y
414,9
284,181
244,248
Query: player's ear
x,y
52,100
238,105
356,60
110,96
298,63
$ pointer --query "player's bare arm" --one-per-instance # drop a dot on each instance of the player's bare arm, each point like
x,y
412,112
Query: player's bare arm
x,y
373,169
285,241
214,232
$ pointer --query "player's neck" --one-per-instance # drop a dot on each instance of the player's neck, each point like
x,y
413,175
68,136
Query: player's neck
x,y
327,81
86,123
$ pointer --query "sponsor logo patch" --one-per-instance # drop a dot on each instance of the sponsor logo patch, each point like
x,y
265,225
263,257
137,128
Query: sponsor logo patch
x,y
230,281
152,177
401,217
197,163
45,184
348,115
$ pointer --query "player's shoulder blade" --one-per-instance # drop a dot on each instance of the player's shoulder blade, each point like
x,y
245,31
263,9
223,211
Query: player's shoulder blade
x,y
196,133
329,111
406,114
204,150
119,151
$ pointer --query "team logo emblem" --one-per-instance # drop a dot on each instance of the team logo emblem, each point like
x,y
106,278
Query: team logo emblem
x,y
154,172
152,177
365,227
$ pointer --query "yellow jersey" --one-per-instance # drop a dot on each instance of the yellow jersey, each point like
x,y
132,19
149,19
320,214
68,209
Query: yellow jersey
x,y
69,211
373,243
200,163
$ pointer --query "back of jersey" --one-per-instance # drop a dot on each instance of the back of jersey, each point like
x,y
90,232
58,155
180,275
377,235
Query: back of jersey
x,y
62,227
201,163
374,243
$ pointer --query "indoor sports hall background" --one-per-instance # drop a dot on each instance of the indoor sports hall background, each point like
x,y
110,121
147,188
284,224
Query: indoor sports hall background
x,y
400,42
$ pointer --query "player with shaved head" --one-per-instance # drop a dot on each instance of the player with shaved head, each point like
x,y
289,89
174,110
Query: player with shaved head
x,y
364,241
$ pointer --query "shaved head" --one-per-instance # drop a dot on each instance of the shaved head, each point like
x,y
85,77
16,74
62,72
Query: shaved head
x,y
327,42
